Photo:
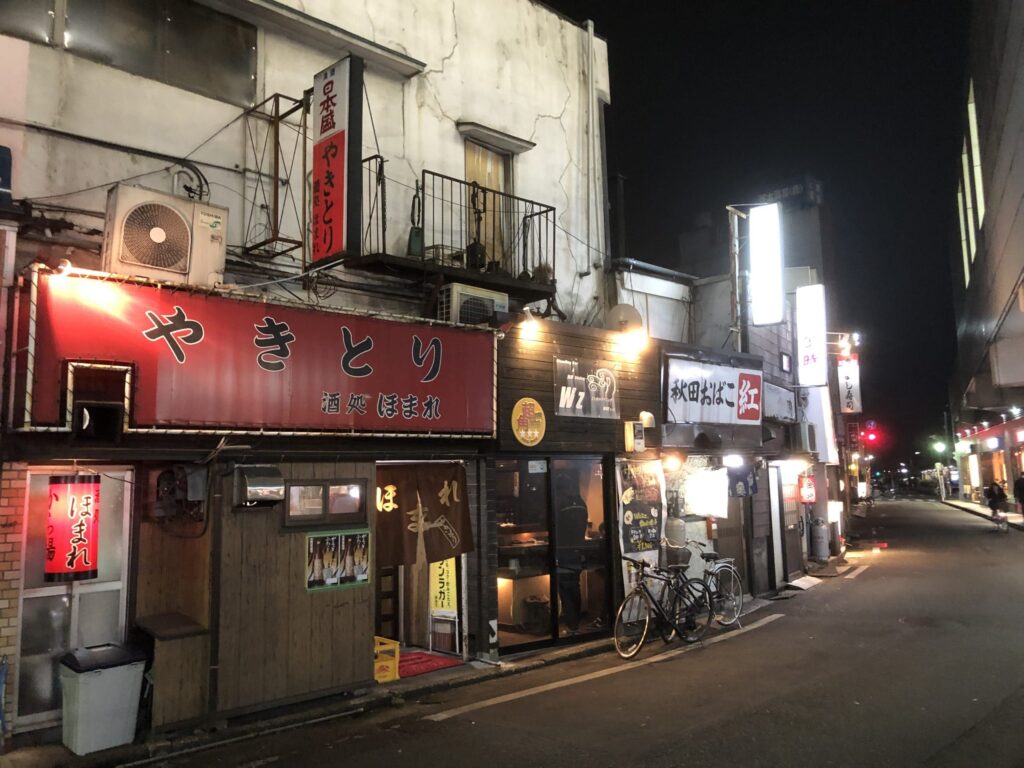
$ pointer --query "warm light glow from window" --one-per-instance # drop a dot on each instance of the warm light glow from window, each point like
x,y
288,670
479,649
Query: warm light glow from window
x,y
972,129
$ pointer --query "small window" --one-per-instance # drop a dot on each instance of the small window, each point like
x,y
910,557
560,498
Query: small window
x,y
786,362
333,502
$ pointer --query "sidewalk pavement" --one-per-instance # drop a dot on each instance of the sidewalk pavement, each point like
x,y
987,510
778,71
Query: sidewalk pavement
x,y
1015,519
164,746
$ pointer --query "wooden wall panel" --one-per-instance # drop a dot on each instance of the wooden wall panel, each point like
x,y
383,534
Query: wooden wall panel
x,y
526,369
276,640
173,571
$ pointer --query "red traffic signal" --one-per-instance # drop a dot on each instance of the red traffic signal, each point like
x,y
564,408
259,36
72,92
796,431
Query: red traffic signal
x,y
871,437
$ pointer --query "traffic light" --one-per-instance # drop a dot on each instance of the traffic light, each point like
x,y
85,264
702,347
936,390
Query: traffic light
x,y
871,437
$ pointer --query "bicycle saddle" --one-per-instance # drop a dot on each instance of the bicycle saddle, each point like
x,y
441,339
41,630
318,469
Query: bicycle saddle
x,y
709,556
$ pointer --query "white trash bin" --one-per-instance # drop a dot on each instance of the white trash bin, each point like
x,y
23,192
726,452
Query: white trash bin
x,y
101,686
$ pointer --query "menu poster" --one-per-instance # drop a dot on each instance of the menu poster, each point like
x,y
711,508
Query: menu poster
x,y
640,487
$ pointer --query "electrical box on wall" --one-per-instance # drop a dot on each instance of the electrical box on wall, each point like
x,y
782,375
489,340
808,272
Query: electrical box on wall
x,y
179,492
635,437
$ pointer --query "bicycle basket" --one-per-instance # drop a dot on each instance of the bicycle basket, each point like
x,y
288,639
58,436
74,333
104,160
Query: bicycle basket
x,y
673,555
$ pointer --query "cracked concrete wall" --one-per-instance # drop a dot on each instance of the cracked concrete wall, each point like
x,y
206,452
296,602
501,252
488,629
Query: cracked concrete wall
x,y
512,65
516,67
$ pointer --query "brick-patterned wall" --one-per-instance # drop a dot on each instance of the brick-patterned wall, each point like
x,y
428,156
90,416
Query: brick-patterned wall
x,y
13,487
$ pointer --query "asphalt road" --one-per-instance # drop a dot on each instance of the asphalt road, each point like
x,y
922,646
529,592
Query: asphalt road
x,y
914,656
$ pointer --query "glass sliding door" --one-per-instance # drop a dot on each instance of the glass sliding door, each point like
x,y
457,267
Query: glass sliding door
x,y
552,549
524,558
580,546
59,617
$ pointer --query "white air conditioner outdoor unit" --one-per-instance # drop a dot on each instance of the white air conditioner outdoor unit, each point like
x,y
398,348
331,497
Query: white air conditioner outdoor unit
x,y
469,305
161,237
803,438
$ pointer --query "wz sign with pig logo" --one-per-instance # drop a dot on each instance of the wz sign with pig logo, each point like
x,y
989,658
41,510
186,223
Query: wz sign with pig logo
x,y
586,389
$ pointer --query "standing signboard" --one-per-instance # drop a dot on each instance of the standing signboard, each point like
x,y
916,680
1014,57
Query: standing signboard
x,y
337,115
640,487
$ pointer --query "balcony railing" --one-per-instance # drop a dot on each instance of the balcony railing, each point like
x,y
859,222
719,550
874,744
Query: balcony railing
x,y
471,227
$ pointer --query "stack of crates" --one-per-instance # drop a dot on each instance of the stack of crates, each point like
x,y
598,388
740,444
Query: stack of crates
x,y
385,659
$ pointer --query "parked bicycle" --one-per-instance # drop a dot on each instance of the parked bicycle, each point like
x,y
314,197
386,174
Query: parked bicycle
x,y
679,606
724,582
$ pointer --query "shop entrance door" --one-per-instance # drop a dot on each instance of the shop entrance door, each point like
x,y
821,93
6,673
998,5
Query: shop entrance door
x,y
793,525
58,617
552,550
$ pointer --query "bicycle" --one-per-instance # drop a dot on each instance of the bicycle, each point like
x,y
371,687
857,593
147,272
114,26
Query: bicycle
x,y
682,607
724,582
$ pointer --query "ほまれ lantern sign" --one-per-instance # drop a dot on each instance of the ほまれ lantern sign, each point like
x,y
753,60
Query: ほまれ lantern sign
x,y
72,528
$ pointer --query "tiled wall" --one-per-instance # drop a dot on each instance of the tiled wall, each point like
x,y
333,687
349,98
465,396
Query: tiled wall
x,y
13,483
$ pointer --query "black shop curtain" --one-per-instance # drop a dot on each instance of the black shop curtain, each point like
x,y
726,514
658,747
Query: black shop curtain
x,y
422,499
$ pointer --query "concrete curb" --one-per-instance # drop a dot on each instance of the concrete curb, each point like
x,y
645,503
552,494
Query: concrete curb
x,y
976,513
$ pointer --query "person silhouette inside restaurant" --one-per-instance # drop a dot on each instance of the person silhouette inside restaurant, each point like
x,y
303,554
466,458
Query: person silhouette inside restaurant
x,y
571,532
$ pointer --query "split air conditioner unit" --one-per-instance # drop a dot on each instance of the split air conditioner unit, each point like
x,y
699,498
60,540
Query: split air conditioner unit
x,y
162,237
469,305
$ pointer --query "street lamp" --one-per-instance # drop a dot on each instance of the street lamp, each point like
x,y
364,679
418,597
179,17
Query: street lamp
x,y
939,447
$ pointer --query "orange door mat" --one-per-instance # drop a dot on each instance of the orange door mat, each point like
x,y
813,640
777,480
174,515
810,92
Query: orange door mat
x,y
414,663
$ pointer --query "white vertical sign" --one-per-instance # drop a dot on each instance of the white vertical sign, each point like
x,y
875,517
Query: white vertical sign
x,y
849,384
766,292
811,349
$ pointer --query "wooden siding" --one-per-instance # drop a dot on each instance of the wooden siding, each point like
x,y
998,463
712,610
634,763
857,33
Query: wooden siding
x,y
276,641
174,571
526,369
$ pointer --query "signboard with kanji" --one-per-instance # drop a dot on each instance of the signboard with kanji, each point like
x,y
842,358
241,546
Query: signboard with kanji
x,y
811,344
210,362
848,369
336,116
704,393
72,528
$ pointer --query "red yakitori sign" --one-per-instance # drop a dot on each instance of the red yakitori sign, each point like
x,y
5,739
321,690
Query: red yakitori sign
x,y
73,528
210,362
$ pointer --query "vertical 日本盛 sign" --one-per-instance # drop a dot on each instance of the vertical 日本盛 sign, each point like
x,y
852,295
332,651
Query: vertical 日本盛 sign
x,y
72,528
336,117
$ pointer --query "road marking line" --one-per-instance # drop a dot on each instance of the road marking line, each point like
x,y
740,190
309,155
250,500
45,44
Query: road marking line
x,y
625,667
858,572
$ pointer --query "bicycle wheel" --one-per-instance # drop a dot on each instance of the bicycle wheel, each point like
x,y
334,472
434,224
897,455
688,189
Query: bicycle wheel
x,y
697,611
631,623
671,603
728,596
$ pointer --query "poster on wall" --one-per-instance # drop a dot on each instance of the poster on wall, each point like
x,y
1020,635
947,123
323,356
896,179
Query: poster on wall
x,y
586,389
337,559
72,528
640,490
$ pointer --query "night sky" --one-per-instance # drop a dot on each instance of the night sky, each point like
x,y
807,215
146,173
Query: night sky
x,y
713,102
